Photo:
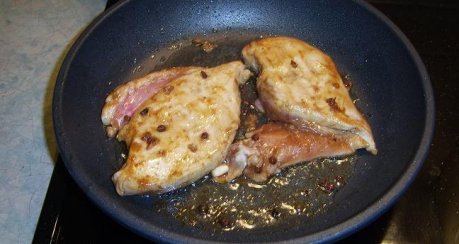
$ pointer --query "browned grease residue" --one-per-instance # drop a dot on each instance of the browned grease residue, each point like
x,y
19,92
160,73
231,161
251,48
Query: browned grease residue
x,y
303,190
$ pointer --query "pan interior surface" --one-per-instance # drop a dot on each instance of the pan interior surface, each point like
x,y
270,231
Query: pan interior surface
x,y
137,37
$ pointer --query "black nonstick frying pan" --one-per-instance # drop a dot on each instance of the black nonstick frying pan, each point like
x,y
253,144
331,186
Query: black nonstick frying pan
x,y
136,37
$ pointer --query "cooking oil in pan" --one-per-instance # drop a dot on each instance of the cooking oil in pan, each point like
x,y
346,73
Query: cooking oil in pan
x,y
302,190
206,49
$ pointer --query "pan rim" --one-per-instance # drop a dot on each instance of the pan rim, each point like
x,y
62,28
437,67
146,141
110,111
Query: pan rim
x,y
343,229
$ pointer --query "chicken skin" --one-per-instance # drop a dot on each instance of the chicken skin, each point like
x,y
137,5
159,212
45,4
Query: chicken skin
x,y
182,132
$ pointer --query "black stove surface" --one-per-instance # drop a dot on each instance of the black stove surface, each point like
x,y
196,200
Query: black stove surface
x,y
427,213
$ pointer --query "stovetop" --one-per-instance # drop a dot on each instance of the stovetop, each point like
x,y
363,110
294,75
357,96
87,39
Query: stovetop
x,y
427,213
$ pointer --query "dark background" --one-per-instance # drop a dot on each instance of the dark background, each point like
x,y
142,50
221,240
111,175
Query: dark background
x,y
427,213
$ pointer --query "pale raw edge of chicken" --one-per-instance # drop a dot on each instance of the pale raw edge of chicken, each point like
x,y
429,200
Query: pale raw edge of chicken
x,y
200,114
299,84
275,146
122,102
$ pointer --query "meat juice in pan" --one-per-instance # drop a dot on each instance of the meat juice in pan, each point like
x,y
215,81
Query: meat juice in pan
x,y
305,189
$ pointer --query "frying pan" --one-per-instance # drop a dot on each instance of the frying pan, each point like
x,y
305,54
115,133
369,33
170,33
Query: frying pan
x,y
135,37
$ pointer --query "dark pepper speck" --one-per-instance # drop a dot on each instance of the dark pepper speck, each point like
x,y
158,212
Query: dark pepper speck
x,y
205,136
333,105
275,213
192,147
150,140
272,160
203,74
144,112
161,128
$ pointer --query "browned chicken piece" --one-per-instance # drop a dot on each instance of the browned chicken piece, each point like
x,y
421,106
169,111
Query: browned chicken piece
x,y
182,132
276,146
299,84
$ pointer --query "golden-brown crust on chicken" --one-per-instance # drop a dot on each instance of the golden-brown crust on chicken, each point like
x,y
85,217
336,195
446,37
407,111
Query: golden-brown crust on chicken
x,y
299,84
183,132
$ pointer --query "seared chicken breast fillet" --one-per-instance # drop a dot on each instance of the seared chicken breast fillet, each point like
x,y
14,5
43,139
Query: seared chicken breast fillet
x,y
299,84
182,132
